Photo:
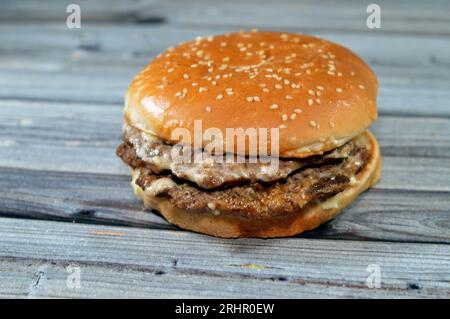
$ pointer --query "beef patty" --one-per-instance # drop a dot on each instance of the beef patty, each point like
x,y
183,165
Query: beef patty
x,y
140,149
303,181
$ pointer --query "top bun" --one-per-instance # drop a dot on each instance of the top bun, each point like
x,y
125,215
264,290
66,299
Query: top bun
x,y
318,93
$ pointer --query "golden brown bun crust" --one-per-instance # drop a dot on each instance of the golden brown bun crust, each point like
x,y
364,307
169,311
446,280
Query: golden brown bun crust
x,y
325,94
231,226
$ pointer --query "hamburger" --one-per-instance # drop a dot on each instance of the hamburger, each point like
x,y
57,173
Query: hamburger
x,y
320,99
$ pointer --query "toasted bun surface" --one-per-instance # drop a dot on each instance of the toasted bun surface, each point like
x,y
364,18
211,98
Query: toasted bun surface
x,y
231,226
318,93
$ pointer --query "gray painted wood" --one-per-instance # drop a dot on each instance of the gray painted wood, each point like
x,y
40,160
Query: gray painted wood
x,y
413,70
346,16
83,137
126,262
61,95
379,214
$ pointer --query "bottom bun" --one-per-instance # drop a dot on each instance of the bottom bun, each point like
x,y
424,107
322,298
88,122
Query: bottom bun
x,y
232,226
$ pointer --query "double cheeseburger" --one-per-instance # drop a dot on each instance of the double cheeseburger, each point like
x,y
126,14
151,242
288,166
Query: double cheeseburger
x,y
319,95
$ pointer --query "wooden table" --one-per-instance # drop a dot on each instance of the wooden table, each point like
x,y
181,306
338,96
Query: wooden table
x,y
65,199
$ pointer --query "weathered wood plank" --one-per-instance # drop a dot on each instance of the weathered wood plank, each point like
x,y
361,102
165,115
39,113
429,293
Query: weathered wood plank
x,y
130,262
408,92
413,71
76,131
379,214
399,16
377,49
81,138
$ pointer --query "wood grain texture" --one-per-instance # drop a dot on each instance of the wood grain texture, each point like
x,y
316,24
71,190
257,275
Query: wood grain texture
x,y
125,262
413,70
61,96
58,162
68,136
379,214
346,16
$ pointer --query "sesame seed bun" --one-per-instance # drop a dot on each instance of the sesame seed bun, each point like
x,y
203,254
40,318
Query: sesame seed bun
x,y
232,226
318,93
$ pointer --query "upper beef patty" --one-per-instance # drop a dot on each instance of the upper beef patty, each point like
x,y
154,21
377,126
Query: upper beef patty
x,y
143,150
303,181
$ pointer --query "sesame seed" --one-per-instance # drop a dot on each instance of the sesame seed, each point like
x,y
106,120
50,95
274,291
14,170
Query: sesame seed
x,y
213,82
257,99
160,86
274,106
310,102
170,70
286,82
229,89
361,86
282,126
262,85
297,110
311,92
278,86
185,76
208,109
339,90
288,97
194,83
266,90
318,101
250,99
320,87
284,117
219,97
293,116
332,124
312,123
201,89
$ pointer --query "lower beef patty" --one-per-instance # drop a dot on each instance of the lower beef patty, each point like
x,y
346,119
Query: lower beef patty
x,y
313,180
